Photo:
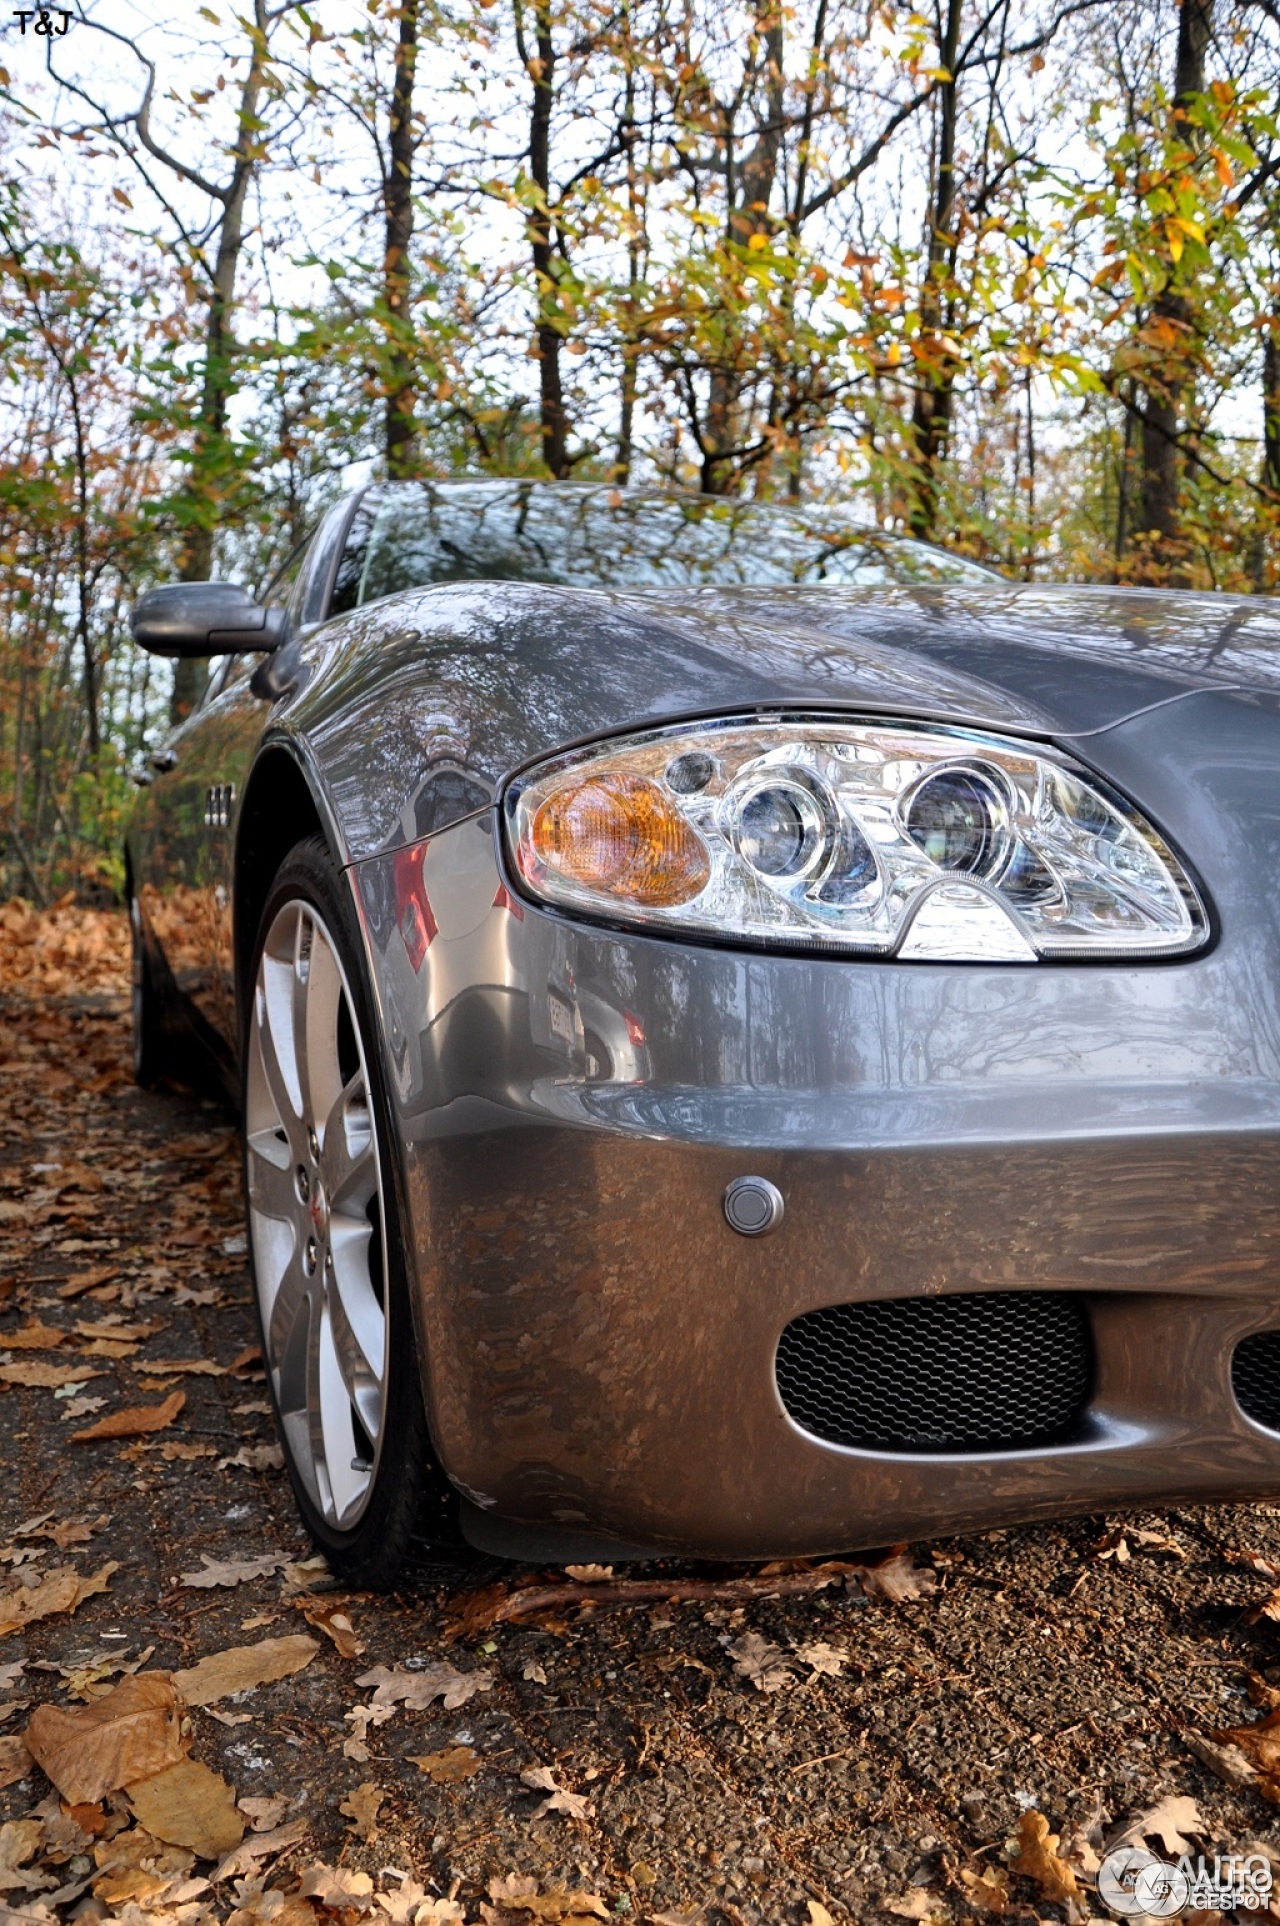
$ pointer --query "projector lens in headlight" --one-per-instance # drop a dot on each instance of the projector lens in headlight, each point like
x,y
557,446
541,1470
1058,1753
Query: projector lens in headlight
x,y
873,837
779,829
957,816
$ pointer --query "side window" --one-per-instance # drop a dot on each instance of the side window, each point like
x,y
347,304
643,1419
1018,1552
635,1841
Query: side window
x,y
346,585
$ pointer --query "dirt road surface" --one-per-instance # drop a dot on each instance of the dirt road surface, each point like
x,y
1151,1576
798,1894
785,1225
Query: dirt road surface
x,y
833,1753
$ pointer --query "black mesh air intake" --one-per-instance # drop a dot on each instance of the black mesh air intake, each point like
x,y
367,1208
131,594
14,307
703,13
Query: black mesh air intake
x,y
1255,1378
991,1371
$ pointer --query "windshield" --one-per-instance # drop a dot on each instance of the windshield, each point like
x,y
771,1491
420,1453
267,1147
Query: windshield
x,y
415,533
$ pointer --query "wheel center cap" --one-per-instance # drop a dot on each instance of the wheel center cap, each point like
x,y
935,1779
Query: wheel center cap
x,y
318,1205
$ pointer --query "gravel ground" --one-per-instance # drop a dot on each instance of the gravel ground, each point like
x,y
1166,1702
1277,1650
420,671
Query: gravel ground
x,y
1059,1670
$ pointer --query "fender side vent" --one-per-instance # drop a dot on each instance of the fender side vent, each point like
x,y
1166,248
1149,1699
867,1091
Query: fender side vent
x,y
982,1371
1255,1378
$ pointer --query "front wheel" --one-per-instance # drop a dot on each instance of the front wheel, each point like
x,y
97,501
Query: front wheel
x,y
325,1238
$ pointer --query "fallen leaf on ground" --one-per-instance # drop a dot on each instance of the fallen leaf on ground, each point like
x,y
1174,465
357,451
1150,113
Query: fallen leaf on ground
x,y
15,1760
542,1779
34,1336
134,1866
36,1375
1038,1858
182,1368
763,1664
362,1808
307,1575
264,1815
1173,1821
134,1421
81,1407
411,1906
63,1532
87,1280
987,1889
263,1905
259,1845
590,1574
337,1888
189,1805
232,1571
826,1661
450,1765
896,1579
512,1889
63,1589
535,1671
240,1667
1259,1746
19,1840
173,1452
333,1620
417,1690
117,1331
818,1914
135,1730
265,1457
917,1904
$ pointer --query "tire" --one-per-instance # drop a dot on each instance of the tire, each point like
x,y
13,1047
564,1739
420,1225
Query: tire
x,y
326,1246
150,1049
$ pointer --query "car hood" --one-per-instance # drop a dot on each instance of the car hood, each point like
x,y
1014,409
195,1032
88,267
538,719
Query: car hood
x,y
415,708
1060,660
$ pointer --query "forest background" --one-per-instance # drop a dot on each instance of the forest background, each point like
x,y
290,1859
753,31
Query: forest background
x,y
1004,274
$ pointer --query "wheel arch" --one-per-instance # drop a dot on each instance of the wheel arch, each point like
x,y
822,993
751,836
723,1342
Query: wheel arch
x,y
282,806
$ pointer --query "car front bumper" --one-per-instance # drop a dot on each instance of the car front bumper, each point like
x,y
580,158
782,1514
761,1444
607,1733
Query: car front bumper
x,y
571,1104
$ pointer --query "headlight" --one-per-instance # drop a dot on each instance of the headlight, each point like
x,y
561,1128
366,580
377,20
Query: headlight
x,y
882,838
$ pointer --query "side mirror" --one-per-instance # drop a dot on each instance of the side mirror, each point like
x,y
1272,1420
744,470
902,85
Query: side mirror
x,y
206,618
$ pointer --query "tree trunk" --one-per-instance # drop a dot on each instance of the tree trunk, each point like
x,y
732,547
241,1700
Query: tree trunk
x,y
748,189
1124,489
935,370
1169,388
401,420
203,496
1271,410
635,213
542,71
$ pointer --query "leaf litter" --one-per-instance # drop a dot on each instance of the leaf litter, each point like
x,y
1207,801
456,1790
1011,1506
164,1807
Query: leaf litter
x,y
261,1877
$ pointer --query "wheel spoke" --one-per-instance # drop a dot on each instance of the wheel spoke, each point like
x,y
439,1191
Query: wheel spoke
x,y
273,1009
272,1187
305,945
291,1302
318,1035
347,1158
319,1393
359,1342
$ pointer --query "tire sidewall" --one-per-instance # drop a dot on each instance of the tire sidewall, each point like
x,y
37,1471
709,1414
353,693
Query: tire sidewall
x,y
308,874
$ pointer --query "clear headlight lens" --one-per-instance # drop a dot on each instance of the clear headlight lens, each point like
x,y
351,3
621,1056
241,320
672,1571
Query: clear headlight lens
x,y
883,838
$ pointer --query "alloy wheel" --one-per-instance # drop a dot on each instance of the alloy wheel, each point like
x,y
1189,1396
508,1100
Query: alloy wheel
x,y
316,1214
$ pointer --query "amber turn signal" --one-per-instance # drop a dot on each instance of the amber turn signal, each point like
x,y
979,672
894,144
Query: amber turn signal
x,y
619,835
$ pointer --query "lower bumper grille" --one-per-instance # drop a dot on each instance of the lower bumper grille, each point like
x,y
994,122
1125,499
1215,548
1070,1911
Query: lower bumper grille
x,y
987,1371
1255,1378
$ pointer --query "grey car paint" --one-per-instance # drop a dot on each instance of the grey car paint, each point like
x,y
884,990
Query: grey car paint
x,y
599,1344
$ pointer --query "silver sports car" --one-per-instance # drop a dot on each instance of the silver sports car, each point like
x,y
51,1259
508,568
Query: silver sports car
x,y
754,1037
